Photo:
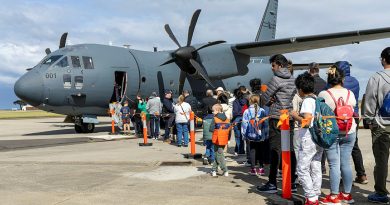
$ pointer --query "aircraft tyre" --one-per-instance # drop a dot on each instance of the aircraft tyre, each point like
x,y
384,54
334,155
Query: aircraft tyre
x,y
88,127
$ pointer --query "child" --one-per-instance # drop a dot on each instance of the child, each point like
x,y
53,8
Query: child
x,y
251,130
125,113
207,140
220,127
309,154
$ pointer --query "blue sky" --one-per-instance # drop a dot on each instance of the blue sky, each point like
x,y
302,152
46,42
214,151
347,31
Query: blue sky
x,y
28,27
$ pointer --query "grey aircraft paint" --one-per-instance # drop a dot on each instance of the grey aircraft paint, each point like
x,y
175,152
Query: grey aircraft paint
x,y
79,80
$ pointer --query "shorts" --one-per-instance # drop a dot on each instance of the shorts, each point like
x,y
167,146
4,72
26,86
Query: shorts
x,y
126,120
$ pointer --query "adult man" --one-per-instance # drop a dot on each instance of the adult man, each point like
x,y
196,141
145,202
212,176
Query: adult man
x,y
168,113
154,108
278,96
319,83
219,91
208,102
190,99
352,84
377,92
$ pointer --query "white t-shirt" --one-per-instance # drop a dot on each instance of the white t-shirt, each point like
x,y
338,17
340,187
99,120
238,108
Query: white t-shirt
x,y
337,93
180,114
308,106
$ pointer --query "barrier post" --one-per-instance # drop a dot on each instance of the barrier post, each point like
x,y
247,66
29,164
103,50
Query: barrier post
x,y
192,155
286,156
192,133
145,131
112,113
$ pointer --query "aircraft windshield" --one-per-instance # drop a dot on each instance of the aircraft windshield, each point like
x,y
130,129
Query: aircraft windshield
x,y
51,60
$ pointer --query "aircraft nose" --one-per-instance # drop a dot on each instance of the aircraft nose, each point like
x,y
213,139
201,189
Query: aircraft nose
x,y
29,88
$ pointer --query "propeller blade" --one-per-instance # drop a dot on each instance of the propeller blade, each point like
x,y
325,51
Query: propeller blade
x,y
170,33
210,44
201,72
47,51
191,28
168,61
63,40
182,79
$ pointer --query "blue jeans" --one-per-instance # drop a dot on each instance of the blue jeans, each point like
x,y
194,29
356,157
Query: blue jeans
x,y
182,131
339,158
154,126
239,148
209,150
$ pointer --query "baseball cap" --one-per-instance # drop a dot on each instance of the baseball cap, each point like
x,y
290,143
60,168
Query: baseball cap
x,y
219,89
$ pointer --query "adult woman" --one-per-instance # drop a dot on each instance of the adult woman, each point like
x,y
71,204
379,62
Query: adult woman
x,y
182,116
339,154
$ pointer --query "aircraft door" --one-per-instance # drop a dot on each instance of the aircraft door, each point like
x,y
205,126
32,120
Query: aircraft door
x,y
120,87
77,93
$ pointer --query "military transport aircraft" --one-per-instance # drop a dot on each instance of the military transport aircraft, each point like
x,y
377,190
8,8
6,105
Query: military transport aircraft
x,y
81,80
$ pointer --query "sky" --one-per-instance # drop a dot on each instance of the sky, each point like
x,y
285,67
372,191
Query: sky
x,y
29,27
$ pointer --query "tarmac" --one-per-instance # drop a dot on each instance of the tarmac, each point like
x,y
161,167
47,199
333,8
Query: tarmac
x,y
43,161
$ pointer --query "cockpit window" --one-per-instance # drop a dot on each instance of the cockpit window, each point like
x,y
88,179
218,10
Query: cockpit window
x,y
51,60
76,61
88,63
63,63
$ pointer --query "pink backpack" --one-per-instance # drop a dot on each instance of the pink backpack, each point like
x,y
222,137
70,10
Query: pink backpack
x,y
341,111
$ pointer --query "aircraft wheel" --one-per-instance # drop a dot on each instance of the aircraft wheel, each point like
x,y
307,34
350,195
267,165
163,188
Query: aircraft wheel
x,y
78,128
88,127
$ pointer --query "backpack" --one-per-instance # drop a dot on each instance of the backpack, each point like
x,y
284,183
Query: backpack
x,y
343,110
324,131
253,130
384,110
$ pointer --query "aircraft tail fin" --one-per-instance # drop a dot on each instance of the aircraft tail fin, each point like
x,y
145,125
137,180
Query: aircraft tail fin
x,y
267,27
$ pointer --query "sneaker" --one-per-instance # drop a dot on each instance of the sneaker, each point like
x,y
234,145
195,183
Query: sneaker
x,y
267,188
346,198
247,164
235,154
253,171
213,173
294,188
361,179
377,198
308,202
331,199
205,161
226,174
261,171
186,145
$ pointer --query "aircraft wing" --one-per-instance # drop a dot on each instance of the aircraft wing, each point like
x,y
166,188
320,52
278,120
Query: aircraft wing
x,y
294,44
305,66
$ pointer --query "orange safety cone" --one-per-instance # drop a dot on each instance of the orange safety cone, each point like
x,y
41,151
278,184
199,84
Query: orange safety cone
x,y
145,131
286,157
193,155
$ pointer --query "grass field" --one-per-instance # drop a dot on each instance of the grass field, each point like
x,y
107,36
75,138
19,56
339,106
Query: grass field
x,y
7,114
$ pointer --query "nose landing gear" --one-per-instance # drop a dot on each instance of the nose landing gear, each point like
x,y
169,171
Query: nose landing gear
x,y
81,127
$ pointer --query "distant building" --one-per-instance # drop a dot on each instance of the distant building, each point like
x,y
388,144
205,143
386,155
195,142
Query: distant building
x,y
29,107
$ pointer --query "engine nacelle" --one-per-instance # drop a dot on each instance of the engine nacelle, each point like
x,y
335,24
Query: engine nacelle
x,y
221,61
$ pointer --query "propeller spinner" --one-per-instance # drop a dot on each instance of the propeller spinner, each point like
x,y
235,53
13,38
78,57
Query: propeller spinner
x,y
185,57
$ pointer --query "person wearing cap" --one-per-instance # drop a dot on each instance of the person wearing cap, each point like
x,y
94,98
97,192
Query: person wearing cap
x,y
168,113
352,84
154,108
219,91
125,114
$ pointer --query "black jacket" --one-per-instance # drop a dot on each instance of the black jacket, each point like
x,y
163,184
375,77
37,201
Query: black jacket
x,y
168,106
208,103
319,84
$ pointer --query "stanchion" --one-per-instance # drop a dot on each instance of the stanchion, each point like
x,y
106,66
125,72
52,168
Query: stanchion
x,y
286,157
193,155
112,112
145,131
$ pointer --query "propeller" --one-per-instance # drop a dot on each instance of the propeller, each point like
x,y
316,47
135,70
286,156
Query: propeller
x,y
185,57
62,43
63,40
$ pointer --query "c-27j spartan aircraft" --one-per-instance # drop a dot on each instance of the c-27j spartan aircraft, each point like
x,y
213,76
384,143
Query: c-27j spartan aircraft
x,y
81,80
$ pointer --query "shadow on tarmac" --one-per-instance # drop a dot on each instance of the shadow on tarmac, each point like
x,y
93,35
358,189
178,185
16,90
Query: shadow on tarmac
x,y
104,129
